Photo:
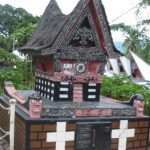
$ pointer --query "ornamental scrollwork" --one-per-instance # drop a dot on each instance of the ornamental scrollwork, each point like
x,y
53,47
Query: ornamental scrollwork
x,y
84,34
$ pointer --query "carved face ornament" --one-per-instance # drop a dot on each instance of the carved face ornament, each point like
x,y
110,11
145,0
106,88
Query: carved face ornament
x,y
139,105
36,105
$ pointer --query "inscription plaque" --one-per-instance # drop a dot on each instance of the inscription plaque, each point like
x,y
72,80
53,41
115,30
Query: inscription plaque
x,y
93,136
84,137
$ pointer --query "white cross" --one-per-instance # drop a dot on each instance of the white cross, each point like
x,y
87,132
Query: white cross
x,y
60,136
123,133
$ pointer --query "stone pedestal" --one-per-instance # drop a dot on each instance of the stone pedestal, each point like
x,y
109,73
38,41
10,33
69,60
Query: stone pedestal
x,y
107,125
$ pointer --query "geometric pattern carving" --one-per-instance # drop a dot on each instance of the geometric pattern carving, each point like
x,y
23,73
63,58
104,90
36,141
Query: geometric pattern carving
x,y
63,91
91,92
43,86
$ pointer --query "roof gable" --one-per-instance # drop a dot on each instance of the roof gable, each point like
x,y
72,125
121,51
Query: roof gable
x,y
48,28
83,34
55,28
94,11
82,42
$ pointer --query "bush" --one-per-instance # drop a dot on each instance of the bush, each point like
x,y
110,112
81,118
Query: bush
x,y
22,76
122,88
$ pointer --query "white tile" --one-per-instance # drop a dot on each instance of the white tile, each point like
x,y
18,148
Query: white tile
x,y
122,142
122,148
52,91
51,137
92,84
63,96
61,136
70,136
123,133
60,146
52,85
123,124
91,96
64,83
91,90
115,133
61,126
131,133
64,89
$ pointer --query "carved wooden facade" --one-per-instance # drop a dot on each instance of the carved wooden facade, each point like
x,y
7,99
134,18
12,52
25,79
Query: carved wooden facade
x,y
74,54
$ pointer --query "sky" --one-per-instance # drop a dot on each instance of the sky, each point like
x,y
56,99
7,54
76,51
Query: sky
x,y
114,9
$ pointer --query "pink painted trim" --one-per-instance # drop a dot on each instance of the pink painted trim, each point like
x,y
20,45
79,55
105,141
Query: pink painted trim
x,y
93,112
11,91
78,93
88,77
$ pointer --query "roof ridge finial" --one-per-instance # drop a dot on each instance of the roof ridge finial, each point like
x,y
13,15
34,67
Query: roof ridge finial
x,y
54,8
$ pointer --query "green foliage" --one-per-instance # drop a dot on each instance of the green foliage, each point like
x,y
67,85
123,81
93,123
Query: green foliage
x,y
23,34
121,88
136,40
7,58
13,19
16,23
7,43
22,76
145,52
134,36
145,3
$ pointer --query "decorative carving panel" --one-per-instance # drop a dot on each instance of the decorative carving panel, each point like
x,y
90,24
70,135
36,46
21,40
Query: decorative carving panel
x,y
85,32
80,67
57,65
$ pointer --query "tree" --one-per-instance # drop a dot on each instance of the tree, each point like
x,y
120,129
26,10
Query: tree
x,y
13,19
22,76
145,53
21,36
145,3
133,36
137,39
15,23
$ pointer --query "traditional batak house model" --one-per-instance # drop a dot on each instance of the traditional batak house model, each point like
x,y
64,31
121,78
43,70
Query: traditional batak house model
x,y
70,53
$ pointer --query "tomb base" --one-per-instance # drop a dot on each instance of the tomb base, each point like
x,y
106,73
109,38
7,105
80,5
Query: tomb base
x,y
105,125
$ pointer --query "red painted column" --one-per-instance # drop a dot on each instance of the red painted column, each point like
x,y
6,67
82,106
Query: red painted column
x,y
78,93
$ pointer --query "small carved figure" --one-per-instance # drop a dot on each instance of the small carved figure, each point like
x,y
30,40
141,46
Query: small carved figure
x,y
35,105
137,101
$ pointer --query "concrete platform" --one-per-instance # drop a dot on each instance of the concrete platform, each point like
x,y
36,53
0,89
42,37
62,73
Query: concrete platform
x,y
106,107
